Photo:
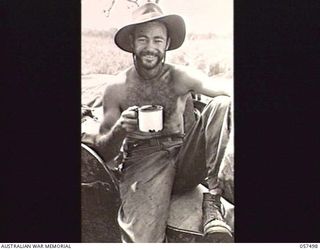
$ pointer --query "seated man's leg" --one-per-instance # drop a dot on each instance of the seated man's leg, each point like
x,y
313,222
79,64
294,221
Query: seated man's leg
x,y
217,131
217,122
203,148
145,190
200,156
226,173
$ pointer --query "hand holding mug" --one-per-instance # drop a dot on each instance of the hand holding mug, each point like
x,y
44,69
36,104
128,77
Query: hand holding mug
x,y
129,119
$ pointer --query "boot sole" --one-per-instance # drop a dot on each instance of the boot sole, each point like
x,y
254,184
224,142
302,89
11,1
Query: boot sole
x,y
218,234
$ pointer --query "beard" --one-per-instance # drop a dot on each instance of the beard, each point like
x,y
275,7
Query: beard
x,y
149,60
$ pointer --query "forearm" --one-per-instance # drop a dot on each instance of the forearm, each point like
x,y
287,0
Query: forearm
x,y
106,143
219,86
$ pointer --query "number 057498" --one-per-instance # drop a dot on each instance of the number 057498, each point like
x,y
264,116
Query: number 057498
x,y
308,245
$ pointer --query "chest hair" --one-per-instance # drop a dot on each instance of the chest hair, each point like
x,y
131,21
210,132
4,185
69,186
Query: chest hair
x,y
159,91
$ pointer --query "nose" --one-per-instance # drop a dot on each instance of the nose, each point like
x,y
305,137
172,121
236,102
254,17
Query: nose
x,y
150,45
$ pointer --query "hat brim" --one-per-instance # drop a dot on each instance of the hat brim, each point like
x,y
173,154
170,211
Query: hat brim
x,y
174,23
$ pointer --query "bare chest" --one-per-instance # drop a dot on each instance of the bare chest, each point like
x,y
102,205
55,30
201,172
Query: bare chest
x,y
161,93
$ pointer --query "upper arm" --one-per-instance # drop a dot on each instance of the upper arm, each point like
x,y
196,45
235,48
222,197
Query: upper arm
x,y
195,80
111,108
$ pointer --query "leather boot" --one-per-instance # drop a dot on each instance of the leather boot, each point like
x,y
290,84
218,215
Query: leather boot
x,y
215,228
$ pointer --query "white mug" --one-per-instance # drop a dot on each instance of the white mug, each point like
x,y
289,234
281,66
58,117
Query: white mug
x,y
150,118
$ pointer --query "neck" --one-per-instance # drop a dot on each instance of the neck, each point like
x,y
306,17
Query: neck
x,y
148,74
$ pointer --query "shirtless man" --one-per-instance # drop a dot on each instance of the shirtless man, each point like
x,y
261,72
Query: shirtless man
x,y
180,156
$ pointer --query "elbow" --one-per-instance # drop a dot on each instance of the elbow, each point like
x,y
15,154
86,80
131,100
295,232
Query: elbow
x,y
94,141
88,139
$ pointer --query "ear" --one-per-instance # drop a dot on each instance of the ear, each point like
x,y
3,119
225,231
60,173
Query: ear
x,y
168,43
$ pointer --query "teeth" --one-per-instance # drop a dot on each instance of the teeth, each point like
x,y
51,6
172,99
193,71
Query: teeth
x,y
149,57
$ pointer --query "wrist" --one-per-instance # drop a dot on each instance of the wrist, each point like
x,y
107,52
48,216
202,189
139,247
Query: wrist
x,y
118,130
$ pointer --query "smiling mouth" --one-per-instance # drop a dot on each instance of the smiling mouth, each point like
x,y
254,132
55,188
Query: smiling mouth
x,y
149,57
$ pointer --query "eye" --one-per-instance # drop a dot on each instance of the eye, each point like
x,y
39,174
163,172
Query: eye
x,y
141,39
159,41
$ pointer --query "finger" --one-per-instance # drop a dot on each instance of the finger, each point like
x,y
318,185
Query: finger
x,y
133,108
129,127
129,114
130,121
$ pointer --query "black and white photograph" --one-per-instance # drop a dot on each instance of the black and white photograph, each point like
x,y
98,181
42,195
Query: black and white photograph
x,y
157,151
159,122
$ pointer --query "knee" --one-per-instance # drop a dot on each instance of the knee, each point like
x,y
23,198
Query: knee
x,y
221,101
219,107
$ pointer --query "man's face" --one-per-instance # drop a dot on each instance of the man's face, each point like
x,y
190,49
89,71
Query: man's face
x,y
149,43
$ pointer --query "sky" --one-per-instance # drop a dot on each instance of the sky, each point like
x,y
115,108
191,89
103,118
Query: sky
x,y
201,16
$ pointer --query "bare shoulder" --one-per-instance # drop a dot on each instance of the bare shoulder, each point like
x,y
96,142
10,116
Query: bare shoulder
x,y
187,72
187,76
115,89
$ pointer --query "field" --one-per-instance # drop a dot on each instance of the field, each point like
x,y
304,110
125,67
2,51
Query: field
x,y
209,53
